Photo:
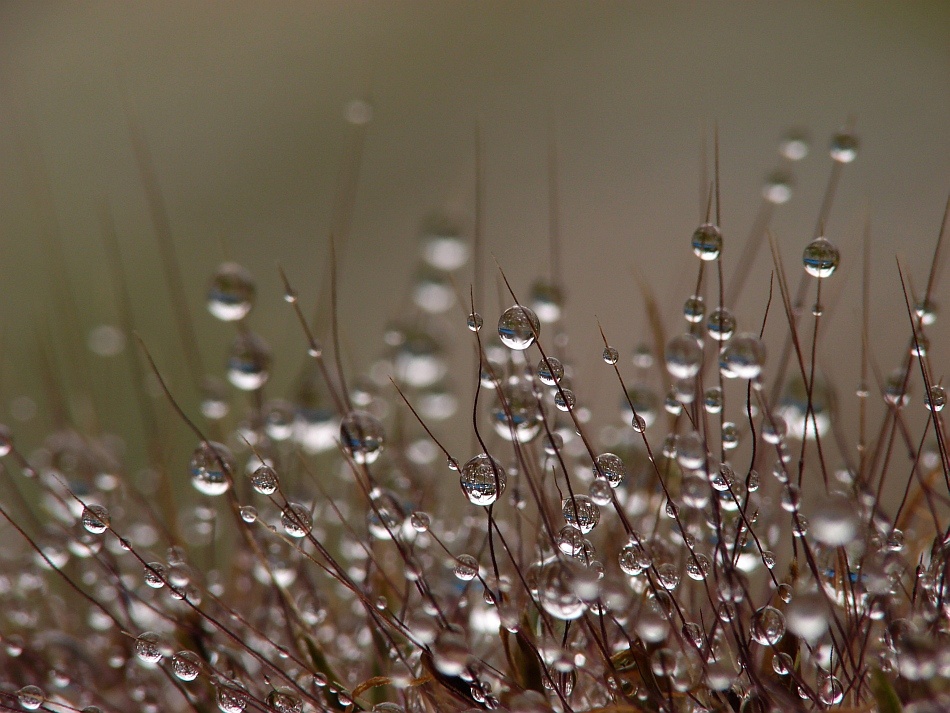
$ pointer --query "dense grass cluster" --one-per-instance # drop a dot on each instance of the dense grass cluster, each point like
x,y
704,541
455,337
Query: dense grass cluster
x,y
729,544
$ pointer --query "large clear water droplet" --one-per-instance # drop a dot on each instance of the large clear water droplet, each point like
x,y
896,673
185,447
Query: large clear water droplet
x,y
483,479
518,327
580,512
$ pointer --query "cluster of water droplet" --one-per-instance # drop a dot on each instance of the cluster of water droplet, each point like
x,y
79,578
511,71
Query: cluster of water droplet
x,y
624,556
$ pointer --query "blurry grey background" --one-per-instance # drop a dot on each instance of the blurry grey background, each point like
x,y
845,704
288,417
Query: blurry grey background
x,y
242,105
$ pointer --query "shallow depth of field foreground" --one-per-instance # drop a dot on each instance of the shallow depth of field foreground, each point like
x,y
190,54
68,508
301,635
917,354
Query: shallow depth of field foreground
x,y
463,526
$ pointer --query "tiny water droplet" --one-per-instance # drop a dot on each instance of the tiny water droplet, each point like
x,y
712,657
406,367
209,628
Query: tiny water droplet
x,y
611,355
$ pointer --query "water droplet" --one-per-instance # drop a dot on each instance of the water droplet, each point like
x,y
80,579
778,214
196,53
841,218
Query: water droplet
x,y
721,324
778,188
743,357
433,292
697,566
782,664
768,626
419,359
106,340
684,356
897,388
466,567
926,311
831,692
794,146
611,468
148,647
231,697
546,301
483,480
516,415
611,355
212,466
894,541
694,309
600,492
580,512
31,697
707,242
264,480
557,589
475,322
279,418
443,248
518,327
643,401
807,616
420,521
231,294
564,399
712,400
249,363
844,147
820,258
249,513
95,519
690,451
835,521
936,398
791,497
186,665
296,520
550,371
730,435
643,356
156,575
362,436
